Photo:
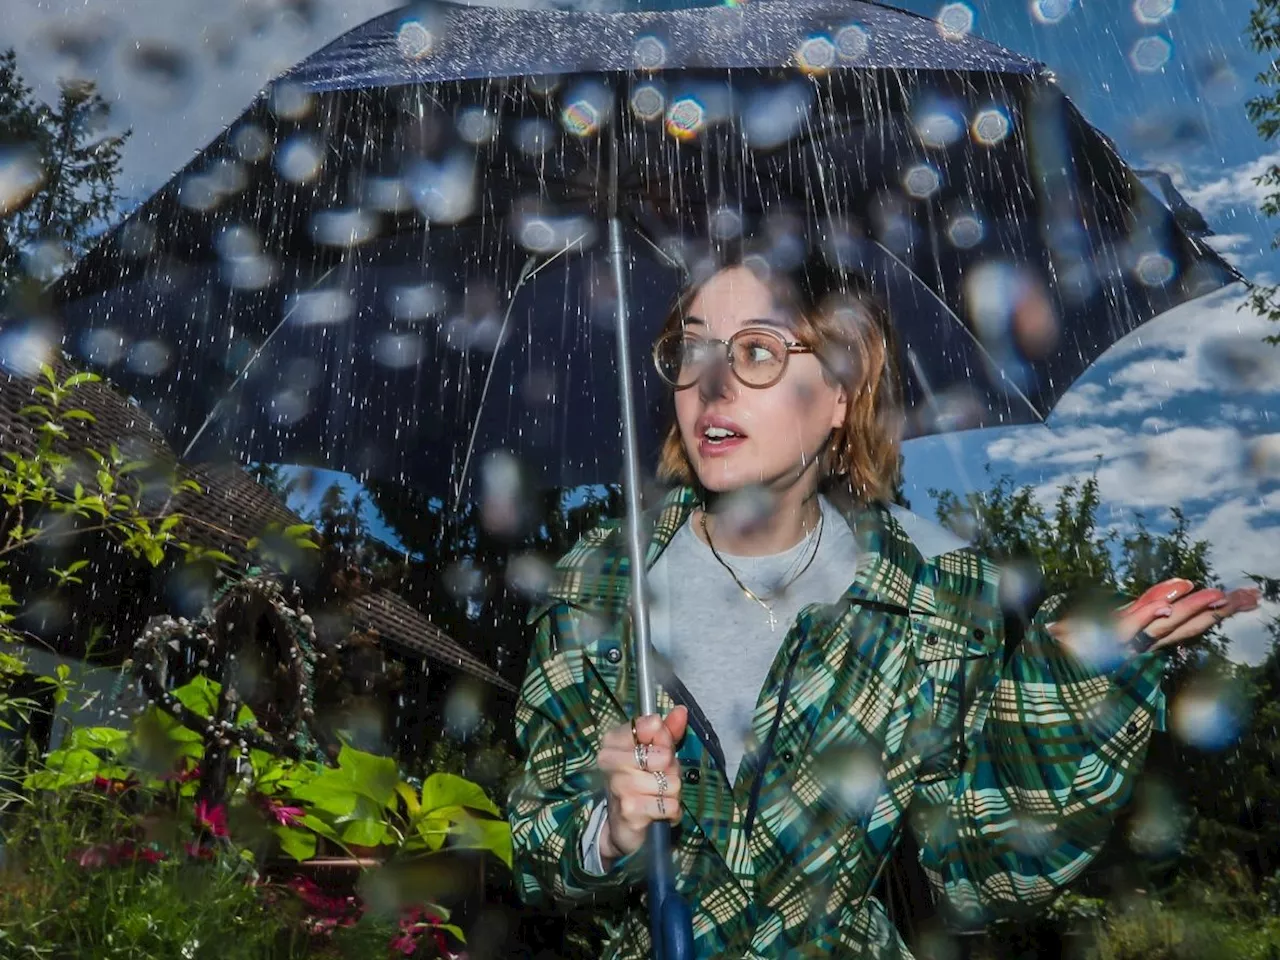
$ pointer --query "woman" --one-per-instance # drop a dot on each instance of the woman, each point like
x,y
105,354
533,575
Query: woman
x,y
822,683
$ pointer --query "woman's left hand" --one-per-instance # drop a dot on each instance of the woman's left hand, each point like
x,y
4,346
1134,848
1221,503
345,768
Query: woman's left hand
x,y
1174,612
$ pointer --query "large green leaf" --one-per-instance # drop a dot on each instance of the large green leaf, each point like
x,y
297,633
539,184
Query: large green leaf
x,y
491,835
372,776
200,696
364,833
448,790
297,843
331,792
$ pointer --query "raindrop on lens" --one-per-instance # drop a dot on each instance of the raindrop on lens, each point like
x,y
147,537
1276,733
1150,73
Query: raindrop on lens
x,y
1151,54
299,158
774,116
686,118
534,136
965,231
149,358
853,43
1154,269
137,239
464,580
990,126
586,109
529,575
1151,12
24,348
649,53
1206,714
412,304
921,181
648,102
290,101
955,21
286,408
543,85
342,228
477,126
320,307
415,40
252,143
1263,457
21,175
725,223
462,711
398,350
502,494
816,54
387,195
1051,11
938,124
104,348
443,192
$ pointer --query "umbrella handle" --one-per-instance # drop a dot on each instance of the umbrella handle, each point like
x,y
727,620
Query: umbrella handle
x,y
670,923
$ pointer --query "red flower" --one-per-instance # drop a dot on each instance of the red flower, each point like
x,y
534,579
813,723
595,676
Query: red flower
x,y
200,851
115,854
405,943
211,818
182,776
319,901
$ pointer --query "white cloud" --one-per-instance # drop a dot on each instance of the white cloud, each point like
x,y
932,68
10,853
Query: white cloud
x,y
219,55
1230,191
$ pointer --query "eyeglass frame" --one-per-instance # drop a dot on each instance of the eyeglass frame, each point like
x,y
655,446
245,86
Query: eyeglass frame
x,y
792,346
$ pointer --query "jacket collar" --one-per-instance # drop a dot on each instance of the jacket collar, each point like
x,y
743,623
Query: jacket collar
x,y
594,575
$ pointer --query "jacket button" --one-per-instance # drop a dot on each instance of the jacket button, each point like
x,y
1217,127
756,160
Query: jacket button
x,y
613,654
692,775
788,756
1132,729
931,639
979,634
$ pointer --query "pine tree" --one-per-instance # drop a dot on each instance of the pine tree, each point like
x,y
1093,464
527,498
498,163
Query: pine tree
x,y
58,171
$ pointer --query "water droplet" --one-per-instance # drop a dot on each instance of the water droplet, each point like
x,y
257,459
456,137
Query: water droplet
x,y
343,228
1051,11
1151,12
534,136
921,181
648,102
649,53
773,116
149,358
966,230
1154,269
399,350
816,54
252,143
21,175
990,126
290,101
938,123
103,347
956,20
24,347
387,195
1263,460
1150,54
853,43
299,158
587,107
529,574
320,307
477,126
1207,714
444,191
415,40
686,118
413,304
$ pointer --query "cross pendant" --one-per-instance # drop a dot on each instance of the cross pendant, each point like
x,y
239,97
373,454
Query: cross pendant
x,y
773,622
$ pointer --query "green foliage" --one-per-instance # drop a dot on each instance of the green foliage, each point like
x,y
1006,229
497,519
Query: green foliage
x,y
1264,110
70,166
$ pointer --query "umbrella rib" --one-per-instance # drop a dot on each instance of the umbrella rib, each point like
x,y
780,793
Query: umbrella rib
x,y
253,359
961,324
527,273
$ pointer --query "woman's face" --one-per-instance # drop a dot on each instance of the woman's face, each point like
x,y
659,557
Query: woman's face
x,y
776,431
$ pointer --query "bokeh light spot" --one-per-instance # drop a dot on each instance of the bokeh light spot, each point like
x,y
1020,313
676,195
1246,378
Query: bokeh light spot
x,y
21,175
938,123
966,231
921,181
299,158
686,118
1050,11
1150,12
415,40
955,21
649,53
990,126
648,102
816,54
1150,54
853,43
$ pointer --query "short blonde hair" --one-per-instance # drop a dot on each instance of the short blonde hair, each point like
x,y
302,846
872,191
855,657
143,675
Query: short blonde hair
x,y
834,313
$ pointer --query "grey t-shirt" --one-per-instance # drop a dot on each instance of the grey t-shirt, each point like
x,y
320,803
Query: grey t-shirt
x,y
719,641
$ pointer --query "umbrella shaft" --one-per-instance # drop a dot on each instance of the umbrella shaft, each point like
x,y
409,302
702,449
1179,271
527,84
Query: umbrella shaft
x,y
631,475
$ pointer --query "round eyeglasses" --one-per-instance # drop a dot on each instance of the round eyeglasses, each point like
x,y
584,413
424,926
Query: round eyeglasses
x,y
757,357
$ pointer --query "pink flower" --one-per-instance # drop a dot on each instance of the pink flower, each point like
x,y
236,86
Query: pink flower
x,y
211,818
286,816
114,854
405,943
182,776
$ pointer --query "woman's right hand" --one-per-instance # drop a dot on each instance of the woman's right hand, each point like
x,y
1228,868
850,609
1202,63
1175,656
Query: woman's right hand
x,y
632,792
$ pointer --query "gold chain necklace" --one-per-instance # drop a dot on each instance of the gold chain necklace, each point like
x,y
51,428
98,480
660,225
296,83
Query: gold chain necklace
x,y
747,591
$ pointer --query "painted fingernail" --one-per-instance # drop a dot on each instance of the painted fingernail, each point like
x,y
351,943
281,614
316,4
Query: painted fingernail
x,y
1165,612
1218,604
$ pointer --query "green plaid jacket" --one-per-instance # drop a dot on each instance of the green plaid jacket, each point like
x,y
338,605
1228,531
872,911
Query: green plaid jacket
x,y
896,705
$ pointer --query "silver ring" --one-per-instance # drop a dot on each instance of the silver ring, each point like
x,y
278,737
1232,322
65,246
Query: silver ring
x,y
642,756
661,777
662,806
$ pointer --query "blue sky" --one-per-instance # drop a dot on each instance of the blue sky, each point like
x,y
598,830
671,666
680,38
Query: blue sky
x,y
1185,411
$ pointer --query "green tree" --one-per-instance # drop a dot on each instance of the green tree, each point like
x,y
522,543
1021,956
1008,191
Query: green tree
x,y
61,169
1264,111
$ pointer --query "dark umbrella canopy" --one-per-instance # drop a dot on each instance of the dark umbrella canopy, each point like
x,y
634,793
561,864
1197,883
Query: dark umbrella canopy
x,y
406,226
